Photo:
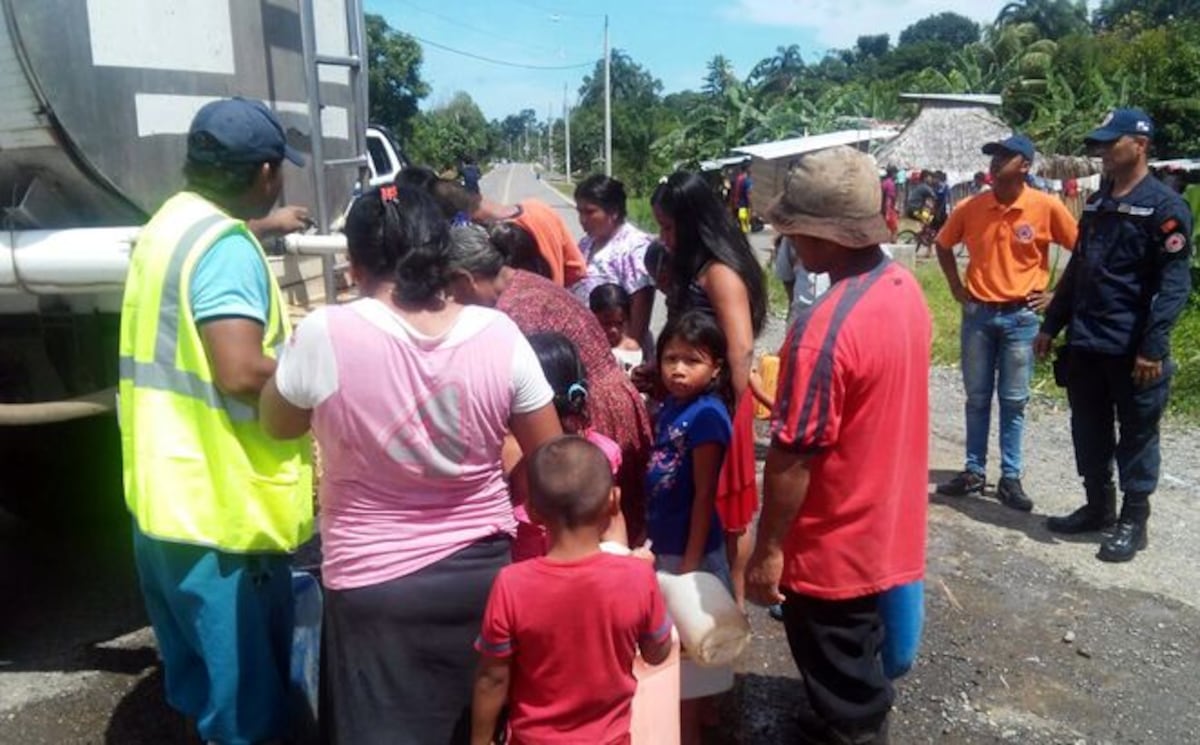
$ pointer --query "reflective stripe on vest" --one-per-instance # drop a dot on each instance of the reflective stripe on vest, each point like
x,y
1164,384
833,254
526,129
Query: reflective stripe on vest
x,y
162,374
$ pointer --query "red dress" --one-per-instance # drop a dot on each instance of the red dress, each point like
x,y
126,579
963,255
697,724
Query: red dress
x,y
615,407
737,486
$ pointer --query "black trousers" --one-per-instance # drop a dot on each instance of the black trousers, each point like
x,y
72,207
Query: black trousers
x,y
1102,394
836,645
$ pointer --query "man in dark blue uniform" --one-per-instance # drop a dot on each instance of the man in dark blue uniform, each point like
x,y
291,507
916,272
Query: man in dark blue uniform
x,y
1122,292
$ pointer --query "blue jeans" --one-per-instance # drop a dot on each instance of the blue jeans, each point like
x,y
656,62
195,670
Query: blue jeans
x,y
997,356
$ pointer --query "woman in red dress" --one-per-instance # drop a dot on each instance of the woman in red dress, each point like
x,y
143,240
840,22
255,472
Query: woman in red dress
x,y
713,268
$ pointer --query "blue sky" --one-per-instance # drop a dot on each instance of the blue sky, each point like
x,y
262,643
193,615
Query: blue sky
x,y
672,38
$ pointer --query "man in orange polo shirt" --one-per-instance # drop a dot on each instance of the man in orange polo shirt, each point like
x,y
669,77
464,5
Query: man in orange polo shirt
x,y
1008,232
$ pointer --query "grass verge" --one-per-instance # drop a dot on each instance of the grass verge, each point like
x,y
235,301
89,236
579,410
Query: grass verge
x,y
1185,343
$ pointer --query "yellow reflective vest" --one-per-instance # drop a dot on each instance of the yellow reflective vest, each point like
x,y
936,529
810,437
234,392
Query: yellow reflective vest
x,y
198,468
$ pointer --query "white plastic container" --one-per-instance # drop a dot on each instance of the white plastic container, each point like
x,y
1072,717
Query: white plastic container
x,y
712,628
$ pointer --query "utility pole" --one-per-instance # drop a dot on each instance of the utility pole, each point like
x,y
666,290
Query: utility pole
x,y
567,127
607,102
550,137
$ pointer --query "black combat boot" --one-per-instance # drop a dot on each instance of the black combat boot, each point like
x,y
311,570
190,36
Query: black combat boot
x,y
1130,535
1099,513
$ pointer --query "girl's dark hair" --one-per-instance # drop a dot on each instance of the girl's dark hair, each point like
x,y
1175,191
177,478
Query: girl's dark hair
x,y
456,203
564,372
608,296
418,177
700,329
705,232
605,191
397,232
519,247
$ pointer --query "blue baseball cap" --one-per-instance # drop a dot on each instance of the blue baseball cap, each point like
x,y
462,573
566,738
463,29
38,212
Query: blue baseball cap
x,y
238,130
1120,122
1018,144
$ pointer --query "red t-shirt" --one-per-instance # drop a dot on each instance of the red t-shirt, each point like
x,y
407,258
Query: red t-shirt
x,y
572,630
854,391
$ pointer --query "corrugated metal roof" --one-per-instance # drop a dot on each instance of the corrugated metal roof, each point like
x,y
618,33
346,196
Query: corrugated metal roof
x,y
1185,164
719,163
800,145
971,99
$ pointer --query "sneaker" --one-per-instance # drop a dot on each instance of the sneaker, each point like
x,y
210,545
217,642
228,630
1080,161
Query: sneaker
x,y
1012,495
964,484
775,611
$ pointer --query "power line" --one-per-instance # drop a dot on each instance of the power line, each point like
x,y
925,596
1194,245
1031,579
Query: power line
x,y
494,61
564,14
491,34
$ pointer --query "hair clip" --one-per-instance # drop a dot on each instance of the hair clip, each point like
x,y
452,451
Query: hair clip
x,y
389,193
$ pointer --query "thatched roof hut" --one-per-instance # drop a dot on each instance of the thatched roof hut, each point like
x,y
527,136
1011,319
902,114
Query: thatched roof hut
x,y
946,135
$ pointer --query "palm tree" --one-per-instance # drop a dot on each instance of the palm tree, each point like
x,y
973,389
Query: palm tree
x,y
1054,19
720,76
778,74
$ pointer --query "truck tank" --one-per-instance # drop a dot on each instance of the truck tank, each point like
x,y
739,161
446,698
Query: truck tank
x,y
96,97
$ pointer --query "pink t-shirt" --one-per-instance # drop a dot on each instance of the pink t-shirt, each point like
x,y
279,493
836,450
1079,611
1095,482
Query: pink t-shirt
x,y
410,429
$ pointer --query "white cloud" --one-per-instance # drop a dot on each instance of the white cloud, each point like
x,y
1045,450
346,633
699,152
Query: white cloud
x,y
837,23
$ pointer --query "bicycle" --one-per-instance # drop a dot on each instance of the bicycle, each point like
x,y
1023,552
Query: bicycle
x,y
925,238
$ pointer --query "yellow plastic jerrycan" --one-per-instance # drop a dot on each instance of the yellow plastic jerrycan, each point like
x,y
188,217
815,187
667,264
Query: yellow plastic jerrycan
x,y
768,372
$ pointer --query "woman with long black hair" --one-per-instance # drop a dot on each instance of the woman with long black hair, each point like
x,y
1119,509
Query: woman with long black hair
x,y
714,269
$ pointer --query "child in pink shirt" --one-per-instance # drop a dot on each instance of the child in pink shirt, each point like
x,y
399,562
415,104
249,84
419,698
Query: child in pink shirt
x,y
564,664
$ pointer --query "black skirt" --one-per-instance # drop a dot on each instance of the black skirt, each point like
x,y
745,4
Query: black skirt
x,y
399,658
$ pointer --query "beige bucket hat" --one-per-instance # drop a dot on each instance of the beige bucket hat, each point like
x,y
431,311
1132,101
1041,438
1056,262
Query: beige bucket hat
x,y
832,194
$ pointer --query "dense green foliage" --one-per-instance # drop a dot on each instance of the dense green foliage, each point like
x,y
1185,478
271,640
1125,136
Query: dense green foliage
x,y
1058,71
394,84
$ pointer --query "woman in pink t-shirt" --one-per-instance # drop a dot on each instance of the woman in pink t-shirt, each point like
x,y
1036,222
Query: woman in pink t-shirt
x,y
409,395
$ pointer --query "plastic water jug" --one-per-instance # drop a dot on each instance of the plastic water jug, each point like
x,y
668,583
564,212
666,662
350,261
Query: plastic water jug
x,y
712,628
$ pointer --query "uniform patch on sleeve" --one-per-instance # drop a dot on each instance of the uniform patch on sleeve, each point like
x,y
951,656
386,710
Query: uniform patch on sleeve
x,y
1169,226
1175,243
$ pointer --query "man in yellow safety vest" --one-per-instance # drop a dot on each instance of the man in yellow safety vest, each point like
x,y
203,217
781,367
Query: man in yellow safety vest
x,y
218,506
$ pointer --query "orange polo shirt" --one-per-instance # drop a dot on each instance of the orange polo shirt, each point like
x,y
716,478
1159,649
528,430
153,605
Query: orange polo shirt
x,y
1008,246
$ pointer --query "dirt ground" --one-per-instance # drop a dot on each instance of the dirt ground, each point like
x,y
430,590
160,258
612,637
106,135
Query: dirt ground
x,y
1029,639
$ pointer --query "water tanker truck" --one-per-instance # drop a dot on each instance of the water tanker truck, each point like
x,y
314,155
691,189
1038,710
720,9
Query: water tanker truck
x,y
96,97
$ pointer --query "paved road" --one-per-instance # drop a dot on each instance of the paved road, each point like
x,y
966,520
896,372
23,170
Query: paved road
x,y
515,182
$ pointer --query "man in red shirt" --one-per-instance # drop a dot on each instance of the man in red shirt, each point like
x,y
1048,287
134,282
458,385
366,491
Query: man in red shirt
x,y
843,516
560,632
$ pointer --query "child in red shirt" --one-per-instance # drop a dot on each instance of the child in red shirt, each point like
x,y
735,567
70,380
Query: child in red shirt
x,y
561,631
